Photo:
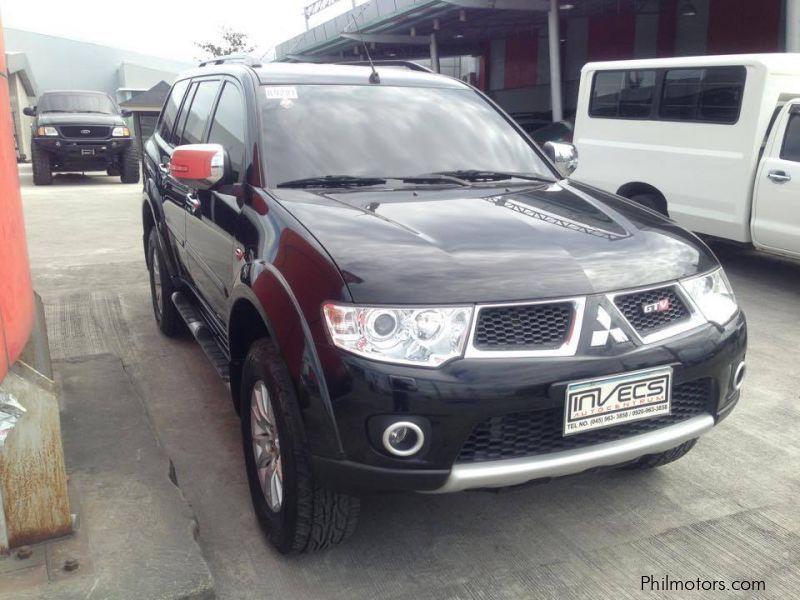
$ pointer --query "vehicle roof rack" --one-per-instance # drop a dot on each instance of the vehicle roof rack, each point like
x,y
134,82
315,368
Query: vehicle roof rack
x,y
244,59
410,65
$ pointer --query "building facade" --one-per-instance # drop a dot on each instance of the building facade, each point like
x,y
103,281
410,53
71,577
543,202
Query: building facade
x,y
39,62
512,39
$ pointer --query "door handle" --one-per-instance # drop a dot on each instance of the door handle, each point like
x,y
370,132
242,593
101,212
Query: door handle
x,y
779,176
193,204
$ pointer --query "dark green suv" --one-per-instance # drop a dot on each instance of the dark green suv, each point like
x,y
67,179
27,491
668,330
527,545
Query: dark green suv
x,y
81,131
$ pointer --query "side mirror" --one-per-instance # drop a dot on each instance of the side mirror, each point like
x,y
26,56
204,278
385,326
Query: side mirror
x,y
29,111
564,156
199,166
125,113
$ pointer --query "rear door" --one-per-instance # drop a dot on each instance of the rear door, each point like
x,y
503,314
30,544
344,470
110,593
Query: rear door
x,y
210,230
776,213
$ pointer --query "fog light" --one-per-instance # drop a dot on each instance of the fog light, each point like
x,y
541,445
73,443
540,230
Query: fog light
x,y
403,438
738,376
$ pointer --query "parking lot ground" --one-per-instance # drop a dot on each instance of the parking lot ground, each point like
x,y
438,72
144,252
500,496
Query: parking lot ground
x,y
135,534
728,511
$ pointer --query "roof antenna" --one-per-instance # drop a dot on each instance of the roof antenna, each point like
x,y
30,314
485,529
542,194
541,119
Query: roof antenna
x,y
373,77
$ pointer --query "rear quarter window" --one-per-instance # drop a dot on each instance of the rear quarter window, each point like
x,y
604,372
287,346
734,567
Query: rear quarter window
x,y
709,95
170,110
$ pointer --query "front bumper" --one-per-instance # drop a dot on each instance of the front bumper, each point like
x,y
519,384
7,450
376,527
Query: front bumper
x,y
83,150
453,400
515,471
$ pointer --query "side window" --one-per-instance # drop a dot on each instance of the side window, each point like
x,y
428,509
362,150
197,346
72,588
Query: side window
x,y
198,114
170,110
712,95
228,128
623,94
791,140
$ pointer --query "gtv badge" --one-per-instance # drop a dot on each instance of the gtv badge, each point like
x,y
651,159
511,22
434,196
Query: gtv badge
x,y
661,306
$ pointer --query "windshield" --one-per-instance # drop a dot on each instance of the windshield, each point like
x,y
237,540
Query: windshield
x,y
312,131
76,102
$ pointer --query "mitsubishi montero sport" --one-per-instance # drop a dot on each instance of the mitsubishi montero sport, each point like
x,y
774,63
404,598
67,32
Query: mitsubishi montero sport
x,y
407,294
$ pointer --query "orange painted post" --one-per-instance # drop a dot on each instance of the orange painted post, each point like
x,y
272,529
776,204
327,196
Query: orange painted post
x,y
16,293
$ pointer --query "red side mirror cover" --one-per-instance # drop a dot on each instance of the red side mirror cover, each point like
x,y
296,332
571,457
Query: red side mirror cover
x,y
191,162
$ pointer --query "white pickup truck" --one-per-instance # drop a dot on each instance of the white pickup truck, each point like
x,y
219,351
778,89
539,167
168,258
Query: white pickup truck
x,y
712,141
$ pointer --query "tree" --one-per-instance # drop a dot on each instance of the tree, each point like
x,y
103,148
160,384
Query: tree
x,y
232,42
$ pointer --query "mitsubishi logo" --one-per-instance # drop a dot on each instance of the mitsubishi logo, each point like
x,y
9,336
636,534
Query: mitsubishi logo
x,y
600,337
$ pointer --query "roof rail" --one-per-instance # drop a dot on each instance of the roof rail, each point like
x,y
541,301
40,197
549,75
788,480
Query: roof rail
x,y
412,66
244,59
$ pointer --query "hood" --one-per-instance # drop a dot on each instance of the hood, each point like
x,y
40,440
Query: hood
x,y
79,119
494,245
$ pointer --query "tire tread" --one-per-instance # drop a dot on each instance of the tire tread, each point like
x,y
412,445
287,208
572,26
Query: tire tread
x,y
652,461
42,166
322,517
129,165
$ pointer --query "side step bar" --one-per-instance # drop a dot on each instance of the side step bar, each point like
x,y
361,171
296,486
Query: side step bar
x,y
202,333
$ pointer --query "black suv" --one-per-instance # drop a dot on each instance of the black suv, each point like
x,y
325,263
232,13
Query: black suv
x,y
76,130
407,295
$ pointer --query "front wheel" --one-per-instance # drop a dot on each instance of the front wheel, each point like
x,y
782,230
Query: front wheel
x,y
129,165
296,514
42,166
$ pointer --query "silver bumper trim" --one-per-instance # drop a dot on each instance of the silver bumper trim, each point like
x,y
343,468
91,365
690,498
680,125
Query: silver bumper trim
x,y
514,471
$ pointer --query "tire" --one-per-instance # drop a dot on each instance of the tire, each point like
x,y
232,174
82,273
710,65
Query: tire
x,y
651,201
167,317
42,167
303,517
651,461
129,165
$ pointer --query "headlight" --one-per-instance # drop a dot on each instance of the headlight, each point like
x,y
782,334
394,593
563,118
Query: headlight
x,y
713,296
120,132
425,337
49,131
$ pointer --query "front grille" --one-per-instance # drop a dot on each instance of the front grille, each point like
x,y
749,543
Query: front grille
x,y
540,432
77,131
531,326
632,306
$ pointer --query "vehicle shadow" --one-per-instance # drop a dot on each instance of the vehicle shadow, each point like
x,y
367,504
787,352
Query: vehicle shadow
x,y
84,179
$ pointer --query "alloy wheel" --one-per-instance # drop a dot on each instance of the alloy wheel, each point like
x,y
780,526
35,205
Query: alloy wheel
x,y
266,446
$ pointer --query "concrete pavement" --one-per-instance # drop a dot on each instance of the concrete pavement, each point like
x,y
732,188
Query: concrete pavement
x,y
726,512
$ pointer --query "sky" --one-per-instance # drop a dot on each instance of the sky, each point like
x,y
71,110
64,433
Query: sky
x,y
164,27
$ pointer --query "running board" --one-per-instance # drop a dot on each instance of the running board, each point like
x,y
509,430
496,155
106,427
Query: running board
x,y
202,333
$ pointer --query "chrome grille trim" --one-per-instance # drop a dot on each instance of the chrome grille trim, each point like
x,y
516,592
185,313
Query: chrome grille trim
x,y
696,318
568,348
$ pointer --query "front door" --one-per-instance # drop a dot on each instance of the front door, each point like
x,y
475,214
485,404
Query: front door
x,y
776,213
210,229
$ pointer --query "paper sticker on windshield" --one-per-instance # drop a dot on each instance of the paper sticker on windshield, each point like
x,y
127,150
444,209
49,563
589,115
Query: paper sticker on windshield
x,y
281,92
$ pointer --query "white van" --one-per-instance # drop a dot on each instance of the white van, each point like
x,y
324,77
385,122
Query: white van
x,y
713,141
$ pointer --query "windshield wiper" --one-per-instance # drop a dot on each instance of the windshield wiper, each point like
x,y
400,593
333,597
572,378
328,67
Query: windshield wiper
x,y
477,175
432,178
332,181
